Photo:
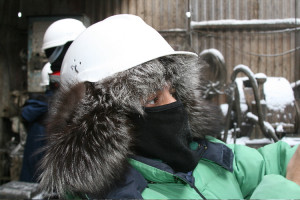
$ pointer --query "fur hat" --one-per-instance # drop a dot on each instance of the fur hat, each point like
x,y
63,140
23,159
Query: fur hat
x,y
90,132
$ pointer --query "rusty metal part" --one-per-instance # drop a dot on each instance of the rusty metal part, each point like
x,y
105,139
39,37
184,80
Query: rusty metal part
x,y
244,69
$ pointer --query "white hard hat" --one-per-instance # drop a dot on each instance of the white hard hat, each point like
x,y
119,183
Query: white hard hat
x,y
61,32
113,45
45,74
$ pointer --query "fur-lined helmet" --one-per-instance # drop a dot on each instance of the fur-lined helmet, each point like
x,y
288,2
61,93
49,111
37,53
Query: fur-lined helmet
x,y
108,73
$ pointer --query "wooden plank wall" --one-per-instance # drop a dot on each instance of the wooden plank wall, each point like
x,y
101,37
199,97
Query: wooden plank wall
x,y
264,51
254,48
160,14
166,16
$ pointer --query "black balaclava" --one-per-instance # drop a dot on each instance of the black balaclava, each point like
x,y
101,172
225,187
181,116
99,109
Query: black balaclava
x,y
164,134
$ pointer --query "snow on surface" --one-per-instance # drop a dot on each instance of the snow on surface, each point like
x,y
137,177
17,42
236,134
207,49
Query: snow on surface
x,y
215,52
267,125
279,93
279,128
246,140
244,108
233,22
224,108
240,86
291,140
295,84
260,75
245,68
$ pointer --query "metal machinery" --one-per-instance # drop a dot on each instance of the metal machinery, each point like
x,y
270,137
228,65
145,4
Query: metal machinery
x,y
271,110
257,106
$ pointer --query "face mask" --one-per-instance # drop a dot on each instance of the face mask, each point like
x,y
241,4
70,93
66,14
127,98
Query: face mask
x,y
164,134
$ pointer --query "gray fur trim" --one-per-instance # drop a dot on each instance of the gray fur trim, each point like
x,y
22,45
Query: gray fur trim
x,y
90,132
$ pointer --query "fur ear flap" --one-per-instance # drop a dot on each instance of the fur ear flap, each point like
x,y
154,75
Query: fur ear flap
x,y
88,142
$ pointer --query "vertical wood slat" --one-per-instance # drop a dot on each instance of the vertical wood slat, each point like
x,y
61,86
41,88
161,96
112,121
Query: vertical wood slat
x,y
203,10
217,7
209,10
297,42
164,17
98,12
260,59
181,10
285,58
242,14
295,68
148,12
156,14
132,7
195,5
280,49
108,8
227,9
236,48
116,7
172,14
236,13
255,48
245,41
229,48
270,48
124,6
140,8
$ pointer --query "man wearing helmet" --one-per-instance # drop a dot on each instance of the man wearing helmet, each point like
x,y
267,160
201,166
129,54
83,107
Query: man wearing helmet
x,y
57,40
129,122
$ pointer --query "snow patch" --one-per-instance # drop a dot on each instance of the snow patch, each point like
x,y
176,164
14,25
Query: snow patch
x,y
295,84
267,125
278,93
291,140
233,22
260,75
224,108
216,52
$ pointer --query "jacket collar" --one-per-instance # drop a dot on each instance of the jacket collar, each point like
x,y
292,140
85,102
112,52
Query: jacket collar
x,y
157,171
218,153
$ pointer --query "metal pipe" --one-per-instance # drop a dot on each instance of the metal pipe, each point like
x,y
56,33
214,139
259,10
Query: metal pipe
x,y
244,69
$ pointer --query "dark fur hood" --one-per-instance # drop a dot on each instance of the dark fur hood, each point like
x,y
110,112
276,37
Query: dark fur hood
x,y
90,133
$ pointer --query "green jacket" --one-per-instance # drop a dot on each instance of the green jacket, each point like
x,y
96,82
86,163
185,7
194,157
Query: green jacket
x,y
257,174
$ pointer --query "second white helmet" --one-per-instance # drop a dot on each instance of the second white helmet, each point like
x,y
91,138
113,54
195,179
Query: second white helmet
x,y
62,31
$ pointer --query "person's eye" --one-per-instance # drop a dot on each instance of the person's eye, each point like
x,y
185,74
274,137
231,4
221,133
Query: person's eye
x,y
152,101
173,92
